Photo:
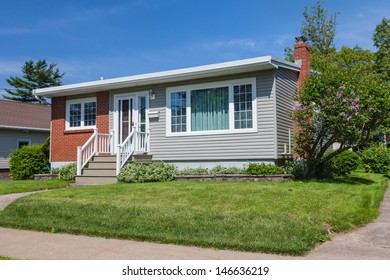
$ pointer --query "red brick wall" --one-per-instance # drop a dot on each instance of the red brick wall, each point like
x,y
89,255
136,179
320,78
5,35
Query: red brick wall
x,y
64,143
103,109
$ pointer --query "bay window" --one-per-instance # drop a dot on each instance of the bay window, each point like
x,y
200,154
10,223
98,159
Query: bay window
x,y
211,108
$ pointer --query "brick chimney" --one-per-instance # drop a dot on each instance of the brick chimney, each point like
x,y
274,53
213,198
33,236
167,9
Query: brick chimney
x,y
302,57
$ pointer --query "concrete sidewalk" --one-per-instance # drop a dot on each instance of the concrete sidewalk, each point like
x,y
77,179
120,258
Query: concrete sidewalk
x,y
369,242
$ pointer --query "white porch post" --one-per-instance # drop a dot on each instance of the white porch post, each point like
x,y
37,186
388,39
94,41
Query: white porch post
x,y
112,142
118,159
96,142
79,160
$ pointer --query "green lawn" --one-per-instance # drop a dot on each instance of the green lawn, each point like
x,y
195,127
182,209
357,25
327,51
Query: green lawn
x,y
2,258
270,217
9,186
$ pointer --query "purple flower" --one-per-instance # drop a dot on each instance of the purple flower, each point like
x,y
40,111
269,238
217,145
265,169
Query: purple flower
x,y
353,92
370,109
338,94
357,99
342,87
344,100
335,106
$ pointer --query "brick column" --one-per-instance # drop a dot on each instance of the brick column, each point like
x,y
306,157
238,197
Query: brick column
x,y
302,56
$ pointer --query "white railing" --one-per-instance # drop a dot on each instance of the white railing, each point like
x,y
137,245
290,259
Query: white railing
x,y
137,141
87,151
142,141
97,143
124,152
105,143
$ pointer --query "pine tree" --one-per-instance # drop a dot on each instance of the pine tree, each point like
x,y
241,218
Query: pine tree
x,y
35,75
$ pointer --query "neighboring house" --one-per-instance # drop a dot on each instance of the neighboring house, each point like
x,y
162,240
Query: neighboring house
x,y
229,113
21,124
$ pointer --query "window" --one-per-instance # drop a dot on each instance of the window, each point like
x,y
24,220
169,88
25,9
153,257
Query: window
x,y
178,111
23,142
243,114
81,113
212,108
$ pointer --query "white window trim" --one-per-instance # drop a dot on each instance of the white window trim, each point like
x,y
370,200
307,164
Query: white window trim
x,y
230,84
22,140
77,101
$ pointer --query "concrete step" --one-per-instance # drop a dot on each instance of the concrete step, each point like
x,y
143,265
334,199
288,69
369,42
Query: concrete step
x,y
142,158
105,158
99,172
95,180
101,164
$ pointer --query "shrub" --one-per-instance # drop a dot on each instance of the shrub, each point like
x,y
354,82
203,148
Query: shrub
x,y
219,169
46,148
263,169
193,171
67,172
376,159
157,171
27,161
344,163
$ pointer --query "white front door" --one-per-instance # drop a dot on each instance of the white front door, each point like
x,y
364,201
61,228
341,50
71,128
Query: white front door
x,y
130,112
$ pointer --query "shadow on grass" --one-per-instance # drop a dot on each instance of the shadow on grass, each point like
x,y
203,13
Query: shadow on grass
x,y
352,180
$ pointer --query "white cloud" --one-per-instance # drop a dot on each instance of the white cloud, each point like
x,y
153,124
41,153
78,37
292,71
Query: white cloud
x,y
246,44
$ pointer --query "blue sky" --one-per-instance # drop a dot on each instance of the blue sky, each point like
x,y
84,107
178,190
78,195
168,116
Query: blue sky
x,y
93,39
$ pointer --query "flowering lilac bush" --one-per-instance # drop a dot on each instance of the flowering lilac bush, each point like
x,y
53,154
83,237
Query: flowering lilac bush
x,y
343,104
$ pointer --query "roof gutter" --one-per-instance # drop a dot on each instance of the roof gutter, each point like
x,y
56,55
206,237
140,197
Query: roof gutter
x,y
233,67
25,128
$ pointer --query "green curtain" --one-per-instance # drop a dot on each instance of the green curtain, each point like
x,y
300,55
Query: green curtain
x,y
210,109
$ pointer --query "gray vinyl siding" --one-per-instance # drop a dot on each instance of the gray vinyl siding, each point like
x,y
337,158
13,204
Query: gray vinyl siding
x,y
286,85
229,146
9,138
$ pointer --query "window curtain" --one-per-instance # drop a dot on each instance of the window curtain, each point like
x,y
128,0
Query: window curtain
x,y
210,109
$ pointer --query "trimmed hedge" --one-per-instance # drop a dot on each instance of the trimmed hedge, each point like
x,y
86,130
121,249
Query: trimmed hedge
x,y
263,169
28,161
156,171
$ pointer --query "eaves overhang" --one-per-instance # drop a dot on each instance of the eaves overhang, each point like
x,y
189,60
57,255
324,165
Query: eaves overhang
x,y
171,76
25,128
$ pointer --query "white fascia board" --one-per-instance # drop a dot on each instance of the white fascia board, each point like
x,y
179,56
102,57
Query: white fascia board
x,y
226,68
25,128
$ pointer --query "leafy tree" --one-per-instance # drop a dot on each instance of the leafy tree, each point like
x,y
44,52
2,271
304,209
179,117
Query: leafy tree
x,y
35,75
382,42
318,28
345,103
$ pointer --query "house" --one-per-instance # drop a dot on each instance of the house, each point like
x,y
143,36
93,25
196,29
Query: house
x,y
228,113
21,124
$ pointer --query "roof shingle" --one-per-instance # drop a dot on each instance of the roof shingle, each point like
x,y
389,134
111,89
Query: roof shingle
x,y
19,114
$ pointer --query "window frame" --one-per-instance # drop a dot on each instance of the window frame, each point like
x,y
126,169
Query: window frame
x,y
18,141
228,83
81,101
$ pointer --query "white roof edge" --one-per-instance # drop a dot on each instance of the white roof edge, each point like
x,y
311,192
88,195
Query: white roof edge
x,y
168,76
24,128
